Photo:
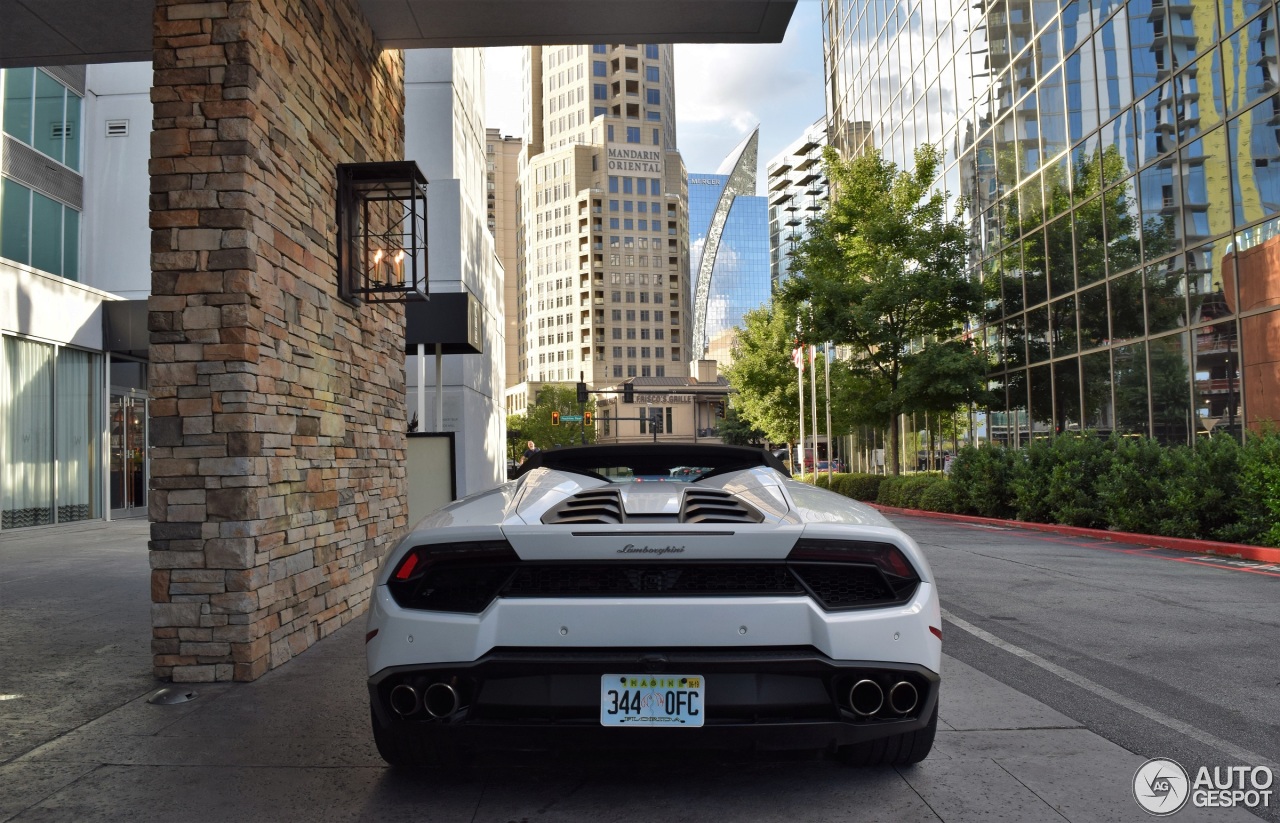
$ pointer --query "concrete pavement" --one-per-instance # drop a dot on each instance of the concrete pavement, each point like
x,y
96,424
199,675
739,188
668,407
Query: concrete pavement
x,y
295,745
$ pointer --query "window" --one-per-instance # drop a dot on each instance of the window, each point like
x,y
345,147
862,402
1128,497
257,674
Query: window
x,y
651,51
617,372
631,352
653,97
633,134
599,69
631,297
631,372
644,371
644,352
644,333
660,371
657,140
651,74
631,315
657,317
628,185
616,315
617,333
613,184
599,91
644,317
653,114
613,205
658,333
609,133
44,114
615,296
659,351
39,231
644,297
617,351
613,222
599,48
657,298
597,112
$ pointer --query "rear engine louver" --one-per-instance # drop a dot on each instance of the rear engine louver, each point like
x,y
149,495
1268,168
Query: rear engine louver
x,y
715,506
591,506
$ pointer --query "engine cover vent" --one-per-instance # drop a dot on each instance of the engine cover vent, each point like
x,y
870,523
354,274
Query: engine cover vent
x,y
716,506
590,506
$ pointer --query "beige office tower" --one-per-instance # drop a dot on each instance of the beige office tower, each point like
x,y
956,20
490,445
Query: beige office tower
x,y
603,269
502,168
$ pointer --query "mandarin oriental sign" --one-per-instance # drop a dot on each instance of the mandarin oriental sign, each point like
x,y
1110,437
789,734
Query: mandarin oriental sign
x,y
628,159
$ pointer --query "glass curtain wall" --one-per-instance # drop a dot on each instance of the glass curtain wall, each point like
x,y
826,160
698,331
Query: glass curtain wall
x,y
1118,166
50,450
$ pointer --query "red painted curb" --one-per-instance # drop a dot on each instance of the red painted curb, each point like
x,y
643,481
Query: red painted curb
x,y
1240,550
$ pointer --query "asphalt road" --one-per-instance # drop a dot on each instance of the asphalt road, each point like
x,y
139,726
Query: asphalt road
x,y
1162,653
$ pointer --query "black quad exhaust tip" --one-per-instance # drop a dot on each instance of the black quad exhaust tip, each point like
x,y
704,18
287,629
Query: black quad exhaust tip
x,y
866,698
903,697
404,700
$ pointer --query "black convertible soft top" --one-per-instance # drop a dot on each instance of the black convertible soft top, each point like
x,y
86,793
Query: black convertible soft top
x,y
653,459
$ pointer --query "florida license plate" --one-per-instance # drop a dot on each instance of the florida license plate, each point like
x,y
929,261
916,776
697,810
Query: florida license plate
x,y
652,700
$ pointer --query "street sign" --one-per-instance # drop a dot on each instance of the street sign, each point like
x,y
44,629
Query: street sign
x,y
571,418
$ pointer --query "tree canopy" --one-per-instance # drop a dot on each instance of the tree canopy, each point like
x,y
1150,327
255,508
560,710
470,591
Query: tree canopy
x,y
535,423
884,270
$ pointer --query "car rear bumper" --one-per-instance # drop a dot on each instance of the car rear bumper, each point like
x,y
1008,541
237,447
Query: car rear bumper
x,y
761,699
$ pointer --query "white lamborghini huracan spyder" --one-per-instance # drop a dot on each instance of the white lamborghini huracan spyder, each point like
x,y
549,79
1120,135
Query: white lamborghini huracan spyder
x,y
654,596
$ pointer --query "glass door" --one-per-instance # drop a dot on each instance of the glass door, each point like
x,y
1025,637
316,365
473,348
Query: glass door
x,y
128,432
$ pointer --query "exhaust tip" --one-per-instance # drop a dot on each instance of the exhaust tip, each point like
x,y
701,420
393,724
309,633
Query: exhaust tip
x,y
866,698
404,700
440,700
903,697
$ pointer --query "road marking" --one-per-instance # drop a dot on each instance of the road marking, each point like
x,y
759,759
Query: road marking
x,y
1242,756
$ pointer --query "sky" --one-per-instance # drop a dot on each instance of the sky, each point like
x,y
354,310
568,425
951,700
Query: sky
x,y
722,92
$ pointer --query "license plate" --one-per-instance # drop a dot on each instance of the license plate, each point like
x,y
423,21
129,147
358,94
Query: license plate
x,y
652,700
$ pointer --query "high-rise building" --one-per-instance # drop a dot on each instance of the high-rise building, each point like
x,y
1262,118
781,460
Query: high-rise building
x,y
728,250
502,165
798,192
1118,167
602,271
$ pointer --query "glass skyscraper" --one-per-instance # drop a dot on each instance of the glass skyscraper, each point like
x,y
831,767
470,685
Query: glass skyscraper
x,y
728,250
1118,166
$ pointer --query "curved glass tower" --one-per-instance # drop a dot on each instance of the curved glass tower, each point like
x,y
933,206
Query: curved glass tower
x,y
728,250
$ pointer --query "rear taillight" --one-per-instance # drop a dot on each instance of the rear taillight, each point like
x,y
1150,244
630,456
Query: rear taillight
x,y
885,556
456,577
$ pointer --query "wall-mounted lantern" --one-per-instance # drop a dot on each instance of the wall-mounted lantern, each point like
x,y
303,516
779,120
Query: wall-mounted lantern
x,y
382,232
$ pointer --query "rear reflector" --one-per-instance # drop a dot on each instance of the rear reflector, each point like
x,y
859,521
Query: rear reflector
x,y
936,631
407,566
370,635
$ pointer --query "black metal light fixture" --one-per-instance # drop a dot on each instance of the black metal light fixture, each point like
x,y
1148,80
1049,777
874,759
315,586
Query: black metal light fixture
x,y
382,232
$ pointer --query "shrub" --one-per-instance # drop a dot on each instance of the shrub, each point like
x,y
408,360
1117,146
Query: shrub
x,y
1056,483
864,487
941,496
1134,492
904,492
981,478
1259,498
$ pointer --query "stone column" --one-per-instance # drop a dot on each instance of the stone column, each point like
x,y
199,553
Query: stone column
x,y
277,417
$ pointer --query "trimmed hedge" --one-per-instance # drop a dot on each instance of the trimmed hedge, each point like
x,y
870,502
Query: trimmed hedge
x,y
1220,490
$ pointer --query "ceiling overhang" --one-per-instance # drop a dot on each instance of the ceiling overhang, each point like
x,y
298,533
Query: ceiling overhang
x,y
72,32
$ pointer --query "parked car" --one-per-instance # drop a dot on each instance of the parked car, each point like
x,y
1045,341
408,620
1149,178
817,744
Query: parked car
x,y
836,465
727,606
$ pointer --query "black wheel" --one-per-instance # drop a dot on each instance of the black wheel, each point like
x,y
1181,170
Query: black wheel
x,y
899,750
409,753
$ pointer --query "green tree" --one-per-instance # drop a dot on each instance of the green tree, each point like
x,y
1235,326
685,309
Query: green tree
x,y
763,375
535,423
736,431
884,270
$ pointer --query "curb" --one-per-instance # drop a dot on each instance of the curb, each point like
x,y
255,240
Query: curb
x,y
1182,544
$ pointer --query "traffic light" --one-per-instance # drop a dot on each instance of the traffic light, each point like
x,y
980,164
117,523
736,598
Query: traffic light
x,y
720,409
586,418
555,418
582,392
628,393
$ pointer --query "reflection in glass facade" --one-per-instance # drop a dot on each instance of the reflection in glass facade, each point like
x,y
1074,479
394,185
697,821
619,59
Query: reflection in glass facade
x,y
1118,165
728,250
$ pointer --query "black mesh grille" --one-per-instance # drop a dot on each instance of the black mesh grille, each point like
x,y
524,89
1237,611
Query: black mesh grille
x,y
460,586
842,585
624,579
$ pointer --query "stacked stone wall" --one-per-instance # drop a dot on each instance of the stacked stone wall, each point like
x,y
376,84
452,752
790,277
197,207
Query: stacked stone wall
x,y
277,415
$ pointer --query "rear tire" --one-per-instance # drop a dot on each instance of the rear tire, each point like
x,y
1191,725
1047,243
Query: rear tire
x,y
409,753
899,750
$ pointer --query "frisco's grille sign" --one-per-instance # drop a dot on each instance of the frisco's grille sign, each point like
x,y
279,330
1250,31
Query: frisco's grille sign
x,y
621,159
